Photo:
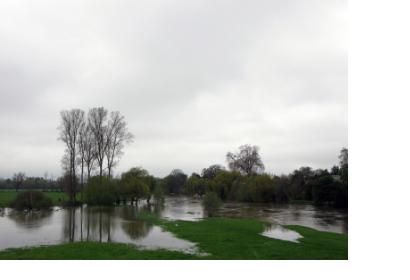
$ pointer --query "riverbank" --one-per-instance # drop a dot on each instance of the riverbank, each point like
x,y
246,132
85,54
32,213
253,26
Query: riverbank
x,y
221,238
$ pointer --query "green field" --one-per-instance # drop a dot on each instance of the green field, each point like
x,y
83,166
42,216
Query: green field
x,y
6,197
222,238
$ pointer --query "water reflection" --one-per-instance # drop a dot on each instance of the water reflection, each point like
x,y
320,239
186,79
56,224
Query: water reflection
x,y
101,224
279,232
30,220
136,229
333,220
121,224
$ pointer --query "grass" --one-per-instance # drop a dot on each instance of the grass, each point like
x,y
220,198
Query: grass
x,y
6,197
222,238
90,251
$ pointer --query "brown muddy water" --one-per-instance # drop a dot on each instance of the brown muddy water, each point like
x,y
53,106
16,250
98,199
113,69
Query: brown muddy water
x,y
121,224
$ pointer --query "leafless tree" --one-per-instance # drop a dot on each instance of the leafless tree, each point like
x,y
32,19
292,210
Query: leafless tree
x,y
247,161
343,157
70,126
89,151
81,143
18,179
97,118
117,136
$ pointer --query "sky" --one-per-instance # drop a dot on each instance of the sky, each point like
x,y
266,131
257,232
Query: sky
x,y
194,79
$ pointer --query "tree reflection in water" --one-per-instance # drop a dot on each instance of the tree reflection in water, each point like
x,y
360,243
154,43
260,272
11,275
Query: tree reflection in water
x,y
132,226
30,220
99,223
136,229
95,223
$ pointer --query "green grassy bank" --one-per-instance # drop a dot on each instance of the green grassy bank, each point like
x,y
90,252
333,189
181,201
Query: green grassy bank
x,y
222,238
6,197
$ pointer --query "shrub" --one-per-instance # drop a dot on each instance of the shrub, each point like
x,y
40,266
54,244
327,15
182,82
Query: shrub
x,y
31,200
100,191
211,203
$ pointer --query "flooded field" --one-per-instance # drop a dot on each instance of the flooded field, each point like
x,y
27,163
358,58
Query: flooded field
x,y
121,224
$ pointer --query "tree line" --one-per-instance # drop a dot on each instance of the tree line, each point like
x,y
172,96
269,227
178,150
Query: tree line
x,y
94,142
244,180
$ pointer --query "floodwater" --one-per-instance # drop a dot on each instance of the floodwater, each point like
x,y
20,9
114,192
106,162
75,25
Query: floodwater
x,y
121,224
279,232
323,219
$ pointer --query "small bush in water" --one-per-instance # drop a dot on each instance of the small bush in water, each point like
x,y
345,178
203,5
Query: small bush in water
x,y
211,203
31,200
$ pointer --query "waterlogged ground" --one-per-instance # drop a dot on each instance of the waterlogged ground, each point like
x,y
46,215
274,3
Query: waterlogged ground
x,y
122,225
332,220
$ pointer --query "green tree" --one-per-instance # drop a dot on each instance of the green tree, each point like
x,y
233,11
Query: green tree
x,y
175,181
212,171
133,184
226,185
195,185
100,191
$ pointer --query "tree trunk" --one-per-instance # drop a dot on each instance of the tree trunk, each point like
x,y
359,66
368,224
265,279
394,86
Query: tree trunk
x,y
82,179
101,170
88,172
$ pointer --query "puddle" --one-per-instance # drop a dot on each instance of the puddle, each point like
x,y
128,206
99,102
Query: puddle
x,y
279,232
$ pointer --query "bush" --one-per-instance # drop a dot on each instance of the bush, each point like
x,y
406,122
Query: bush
x,y
31,200
211,203
100,191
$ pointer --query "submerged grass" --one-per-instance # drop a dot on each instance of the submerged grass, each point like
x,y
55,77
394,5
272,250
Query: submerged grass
x,y
222,238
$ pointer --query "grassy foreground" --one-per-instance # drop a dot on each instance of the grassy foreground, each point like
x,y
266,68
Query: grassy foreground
x,y
6,197
222,238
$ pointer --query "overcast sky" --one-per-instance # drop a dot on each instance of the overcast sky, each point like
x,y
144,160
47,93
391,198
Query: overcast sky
x,y
194,80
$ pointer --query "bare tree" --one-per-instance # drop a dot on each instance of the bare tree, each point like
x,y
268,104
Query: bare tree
x,y
81,143
18,179
97,118
343,157
71,122
89,151
117,136
247,161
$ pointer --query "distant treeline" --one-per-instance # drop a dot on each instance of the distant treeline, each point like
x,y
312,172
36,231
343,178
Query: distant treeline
x,y
244,181
30,183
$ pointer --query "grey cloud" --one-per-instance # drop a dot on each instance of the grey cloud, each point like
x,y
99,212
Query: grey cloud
x,y
194,79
